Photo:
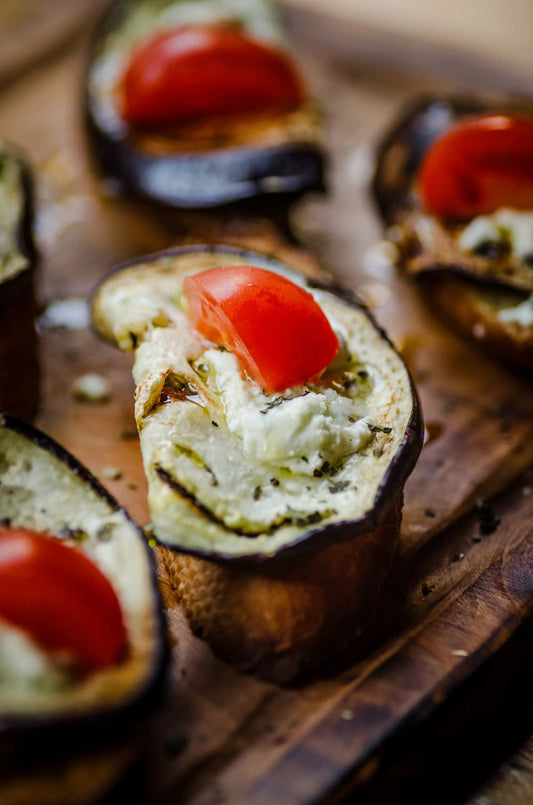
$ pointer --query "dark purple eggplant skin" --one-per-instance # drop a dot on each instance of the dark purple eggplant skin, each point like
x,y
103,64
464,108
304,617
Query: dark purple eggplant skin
x,y
403,463
227,177
19,364
400,152
28,743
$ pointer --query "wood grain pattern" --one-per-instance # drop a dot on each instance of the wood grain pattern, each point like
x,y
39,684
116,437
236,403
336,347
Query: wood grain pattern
x,y
455,596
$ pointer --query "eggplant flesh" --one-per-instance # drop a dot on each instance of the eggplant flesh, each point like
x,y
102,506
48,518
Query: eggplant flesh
x,y
207,163
267,486
60,730
19,370
428,244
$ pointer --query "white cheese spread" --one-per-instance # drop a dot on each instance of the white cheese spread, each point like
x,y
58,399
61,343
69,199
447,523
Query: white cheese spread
x,y
299,429
506,226
23,664
521,314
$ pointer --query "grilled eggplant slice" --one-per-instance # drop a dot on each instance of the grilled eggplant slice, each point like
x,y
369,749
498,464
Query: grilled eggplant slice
x,y
66,738
280,531
19,370
207,162
468,269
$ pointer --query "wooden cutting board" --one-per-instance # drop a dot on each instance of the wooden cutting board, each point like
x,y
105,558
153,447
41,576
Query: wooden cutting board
x,y
457,599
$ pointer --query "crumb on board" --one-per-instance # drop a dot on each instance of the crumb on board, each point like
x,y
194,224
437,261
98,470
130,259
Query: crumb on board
x,y
91,387
111,473
66,314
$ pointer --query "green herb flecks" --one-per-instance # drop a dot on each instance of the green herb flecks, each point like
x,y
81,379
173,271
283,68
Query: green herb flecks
x,y
303,519
338,486
373,427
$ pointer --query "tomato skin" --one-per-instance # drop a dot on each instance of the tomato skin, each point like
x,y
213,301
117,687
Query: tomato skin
x,y
479,165
60,597
205,70
277,330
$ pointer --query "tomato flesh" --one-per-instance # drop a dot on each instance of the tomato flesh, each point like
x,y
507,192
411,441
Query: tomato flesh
x,y
479,165
59,597
279,333
196,71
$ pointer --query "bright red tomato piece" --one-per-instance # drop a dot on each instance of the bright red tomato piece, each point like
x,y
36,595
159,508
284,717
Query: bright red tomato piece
x,y
278,332
205,70
479,165
58,596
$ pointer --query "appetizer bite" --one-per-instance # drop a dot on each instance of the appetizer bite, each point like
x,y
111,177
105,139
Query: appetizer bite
x,y
454,182
199,104
19,370
278,426
82,641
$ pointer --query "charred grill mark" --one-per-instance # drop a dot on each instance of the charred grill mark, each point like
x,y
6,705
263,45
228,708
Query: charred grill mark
x,y
169,479
292,517
198,460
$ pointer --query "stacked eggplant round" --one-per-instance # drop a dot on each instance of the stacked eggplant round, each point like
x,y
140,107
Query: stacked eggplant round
x,y
484,290
201,164
68,738
276,561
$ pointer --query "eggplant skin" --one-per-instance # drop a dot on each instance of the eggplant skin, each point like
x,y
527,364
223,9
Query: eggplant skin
x,y
19,364
71,744
234,175
468,290
213,179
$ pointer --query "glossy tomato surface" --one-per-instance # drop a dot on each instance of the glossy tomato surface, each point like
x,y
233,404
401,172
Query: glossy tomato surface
x,y
479,165
278,332
205,70
58,596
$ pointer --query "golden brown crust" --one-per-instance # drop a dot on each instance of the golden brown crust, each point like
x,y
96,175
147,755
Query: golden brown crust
x,y
472,309
278,619
19,373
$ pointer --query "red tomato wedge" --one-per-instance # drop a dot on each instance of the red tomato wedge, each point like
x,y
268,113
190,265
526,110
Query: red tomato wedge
x,y
278,332
205,70
60,598
479,165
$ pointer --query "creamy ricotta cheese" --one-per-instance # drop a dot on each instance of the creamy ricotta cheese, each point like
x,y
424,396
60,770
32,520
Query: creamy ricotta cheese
x,y
299,429
521,314
23,664
506,226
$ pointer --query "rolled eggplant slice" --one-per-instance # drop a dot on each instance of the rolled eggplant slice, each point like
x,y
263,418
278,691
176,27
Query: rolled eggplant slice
x,y
278,514
200,163
476,272
67,737
19,368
